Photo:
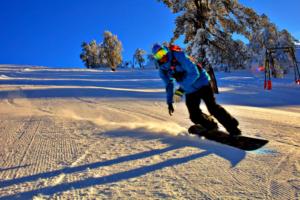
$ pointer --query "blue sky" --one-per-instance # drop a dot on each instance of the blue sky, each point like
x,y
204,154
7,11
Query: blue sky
x,y
50,32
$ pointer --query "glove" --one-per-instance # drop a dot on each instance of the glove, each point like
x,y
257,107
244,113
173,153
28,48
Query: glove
x,y
170,108
178,95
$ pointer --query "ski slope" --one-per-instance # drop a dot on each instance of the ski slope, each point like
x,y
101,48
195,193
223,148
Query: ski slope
x,y
96,134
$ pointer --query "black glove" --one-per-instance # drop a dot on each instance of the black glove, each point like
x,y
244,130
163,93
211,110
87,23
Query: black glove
x,y
170,108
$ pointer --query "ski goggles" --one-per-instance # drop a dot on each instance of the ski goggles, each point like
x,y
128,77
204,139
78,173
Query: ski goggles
x,y
160,54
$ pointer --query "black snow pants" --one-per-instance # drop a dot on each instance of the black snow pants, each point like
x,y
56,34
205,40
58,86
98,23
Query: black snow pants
x,y
206,94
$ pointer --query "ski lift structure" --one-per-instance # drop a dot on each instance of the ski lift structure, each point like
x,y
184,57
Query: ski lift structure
x,y
269,64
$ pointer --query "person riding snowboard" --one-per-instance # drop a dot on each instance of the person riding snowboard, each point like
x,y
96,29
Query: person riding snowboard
x,y
194,82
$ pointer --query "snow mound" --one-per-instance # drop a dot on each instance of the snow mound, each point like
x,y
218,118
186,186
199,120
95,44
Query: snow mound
x,y
4,77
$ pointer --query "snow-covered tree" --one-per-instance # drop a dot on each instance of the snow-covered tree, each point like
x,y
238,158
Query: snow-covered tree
x,y
235,57
108,53
208,27
265,36
283,58
84,56
139,57
111,50
90,54
268,36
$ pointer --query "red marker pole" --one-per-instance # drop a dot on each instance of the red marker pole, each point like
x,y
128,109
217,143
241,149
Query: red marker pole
x,y
269,86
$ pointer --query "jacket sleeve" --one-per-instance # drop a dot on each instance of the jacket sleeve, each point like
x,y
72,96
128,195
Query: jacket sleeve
x,y
169,84
191,68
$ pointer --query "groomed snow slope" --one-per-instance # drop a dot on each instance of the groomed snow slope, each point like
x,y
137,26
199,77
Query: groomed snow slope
x,y
91,134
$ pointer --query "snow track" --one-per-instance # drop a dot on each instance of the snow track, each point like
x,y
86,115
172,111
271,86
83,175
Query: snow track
x,y
115,147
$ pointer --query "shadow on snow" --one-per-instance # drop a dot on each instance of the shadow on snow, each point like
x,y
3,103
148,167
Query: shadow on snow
x,y
13,168
234,156
79,92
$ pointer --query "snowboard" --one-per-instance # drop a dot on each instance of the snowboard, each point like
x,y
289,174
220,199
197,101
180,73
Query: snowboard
x,y
241,142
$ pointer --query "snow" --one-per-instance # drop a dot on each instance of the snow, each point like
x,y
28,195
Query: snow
x,y
4,77
96,134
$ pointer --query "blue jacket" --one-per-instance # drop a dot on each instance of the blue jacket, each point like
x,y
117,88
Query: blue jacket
x,y
191,78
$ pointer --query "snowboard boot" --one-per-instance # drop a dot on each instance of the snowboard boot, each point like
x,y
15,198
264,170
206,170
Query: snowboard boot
x,y
200,130
210,123
197,129
234,132
213,127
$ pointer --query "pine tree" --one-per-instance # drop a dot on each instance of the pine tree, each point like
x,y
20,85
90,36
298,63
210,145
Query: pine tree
x,y
139,57
110,51
208,27
84,54
268,36
90,54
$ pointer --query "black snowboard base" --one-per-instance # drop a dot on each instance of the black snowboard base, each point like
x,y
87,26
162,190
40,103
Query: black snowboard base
x,y
241,142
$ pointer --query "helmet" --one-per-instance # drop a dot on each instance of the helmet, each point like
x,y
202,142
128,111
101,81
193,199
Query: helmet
x,y
156,47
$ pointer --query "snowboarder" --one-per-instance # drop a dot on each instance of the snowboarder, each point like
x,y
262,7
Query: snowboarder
x,y
194,82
